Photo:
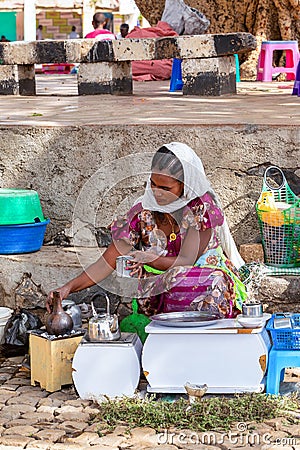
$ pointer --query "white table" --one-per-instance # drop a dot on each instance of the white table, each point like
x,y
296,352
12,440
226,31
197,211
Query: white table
x,y
225,356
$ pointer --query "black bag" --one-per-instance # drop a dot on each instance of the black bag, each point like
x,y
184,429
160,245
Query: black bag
x,y
16,338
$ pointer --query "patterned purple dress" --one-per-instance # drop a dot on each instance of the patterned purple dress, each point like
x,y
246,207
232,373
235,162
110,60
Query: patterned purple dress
x,y
209,285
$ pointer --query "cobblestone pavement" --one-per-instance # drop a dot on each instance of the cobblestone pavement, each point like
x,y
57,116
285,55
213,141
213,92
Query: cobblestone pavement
x,y
32,418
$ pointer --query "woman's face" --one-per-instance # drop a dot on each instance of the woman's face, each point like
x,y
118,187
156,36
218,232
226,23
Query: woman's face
x,y
166,189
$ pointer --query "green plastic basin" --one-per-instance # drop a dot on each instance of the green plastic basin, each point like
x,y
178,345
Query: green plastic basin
x,y
19,206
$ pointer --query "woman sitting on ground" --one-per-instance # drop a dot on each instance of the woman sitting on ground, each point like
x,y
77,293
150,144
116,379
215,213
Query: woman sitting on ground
x,y
178,236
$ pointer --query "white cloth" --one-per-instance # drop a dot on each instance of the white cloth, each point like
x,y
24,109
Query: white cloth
x,y
73,35
196,184
39,34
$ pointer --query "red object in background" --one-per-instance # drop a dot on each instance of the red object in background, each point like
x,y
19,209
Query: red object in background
x,y
57,68
157,69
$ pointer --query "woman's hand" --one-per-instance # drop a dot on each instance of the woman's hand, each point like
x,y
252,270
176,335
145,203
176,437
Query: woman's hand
x,y
64,291
143,257
137,264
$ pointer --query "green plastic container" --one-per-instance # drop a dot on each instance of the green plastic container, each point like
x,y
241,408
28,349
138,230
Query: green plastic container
x,y
20,206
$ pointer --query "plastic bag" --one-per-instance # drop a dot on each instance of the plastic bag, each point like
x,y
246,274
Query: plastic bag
x,y
16,339
135,322
195,22
184,19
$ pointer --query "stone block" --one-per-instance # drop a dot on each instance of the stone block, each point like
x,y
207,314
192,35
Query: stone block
x,y
209,77
280,294
50,52
39,444
51,435
133,49
252,252
85,440
9,80
101,51
16,411
23,430
19,53
230,43
15,442
105,78
197,48
26,76
167,48
23,399
76,49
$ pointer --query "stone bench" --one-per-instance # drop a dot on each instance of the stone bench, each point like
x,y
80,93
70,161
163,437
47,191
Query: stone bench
x,y
208,63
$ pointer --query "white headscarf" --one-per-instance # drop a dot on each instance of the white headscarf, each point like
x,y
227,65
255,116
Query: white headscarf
x,y
196,184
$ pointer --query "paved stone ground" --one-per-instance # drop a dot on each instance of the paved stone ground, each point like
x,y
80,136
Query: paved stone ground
x,y
32,418
57,104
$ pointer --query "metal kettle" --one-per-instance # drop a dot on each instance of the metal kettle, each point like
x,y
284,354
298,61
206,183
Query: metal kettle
x,y
104,327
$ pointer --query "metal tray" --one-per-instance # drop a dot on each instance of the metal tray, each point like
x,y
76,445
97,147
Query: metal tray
x,y
186,319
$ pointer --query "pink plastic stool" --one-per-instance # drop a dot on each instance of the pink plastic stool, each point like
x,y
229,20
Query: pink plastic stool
x,y
265,68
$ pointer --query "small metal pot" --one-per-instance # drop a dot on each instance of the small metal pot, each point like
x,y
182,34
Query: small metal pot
x,y
121,264
254,309
74,311
104,327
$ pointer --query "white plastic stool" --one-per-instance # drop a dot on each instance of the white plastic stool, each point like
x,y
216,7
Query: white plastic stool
x,y
265,68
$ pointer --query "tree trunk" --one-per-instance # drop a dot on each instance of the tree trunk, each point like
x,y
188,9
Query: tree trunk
x,y
265,19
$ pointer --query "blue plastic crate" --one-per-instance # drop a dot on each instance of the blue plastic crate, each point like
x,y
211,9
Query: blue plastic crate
x,y
285,338
24,238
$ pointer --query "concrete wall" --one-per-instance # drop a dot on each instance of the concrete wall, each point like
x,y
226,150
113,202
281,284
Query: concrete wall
x,y
104,168
97,171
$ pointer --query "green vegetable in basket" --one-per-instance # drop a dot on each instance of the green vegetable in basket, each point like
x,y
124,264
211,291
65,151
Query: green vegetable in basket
x,y
135,322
